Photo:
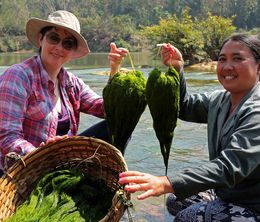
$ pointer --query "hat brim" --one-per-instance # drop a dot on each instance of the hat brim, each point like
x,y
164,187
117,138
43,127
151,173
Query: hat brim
x,y
35,25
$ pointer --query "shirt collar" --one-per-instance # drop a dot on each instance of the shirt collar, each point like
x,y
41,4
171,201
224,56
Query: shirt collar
x,y
45,76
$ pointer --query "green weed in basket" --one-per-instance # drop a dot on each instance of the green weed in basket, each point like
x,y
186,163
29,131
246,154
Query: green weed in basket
x,y
65,196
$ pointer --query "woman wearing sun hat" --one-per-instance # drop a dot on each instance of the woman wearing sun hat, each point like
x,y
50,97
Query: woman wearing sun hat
x,y
40,100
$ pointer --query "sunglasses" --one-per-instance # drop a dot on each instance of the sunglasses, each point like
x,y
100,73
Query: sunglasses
x,y
67,43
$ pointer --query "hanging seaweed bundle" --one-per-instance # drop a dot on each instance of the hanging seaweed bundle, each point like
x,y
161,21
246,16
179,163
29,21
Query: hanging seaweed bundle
x,y
163,96
124,103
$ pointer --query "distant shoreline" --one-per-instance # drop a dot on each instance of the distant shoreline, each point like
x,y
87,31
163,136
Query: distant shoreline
x,y
204,66
24,51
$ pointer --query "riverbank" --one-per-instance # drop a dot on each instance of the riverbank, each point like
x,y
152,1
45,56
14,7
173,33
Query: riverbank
x,y
204,66
24,51
99,60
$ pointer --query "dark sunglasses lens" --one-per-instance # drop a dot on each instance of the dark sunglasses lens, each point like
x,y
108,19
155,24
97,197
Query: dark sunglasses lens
x,y
69,44
52,38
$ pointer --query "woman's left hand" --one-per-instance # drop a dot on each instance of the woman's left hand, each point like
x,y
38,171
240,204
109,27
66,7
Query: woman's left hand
x,y
53,139
171,56
115,57
150,184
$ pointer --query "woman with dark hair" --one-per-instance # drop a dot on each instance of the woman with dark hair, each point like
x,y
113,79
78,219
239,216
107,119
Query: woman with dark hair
x,y
227,187
40,101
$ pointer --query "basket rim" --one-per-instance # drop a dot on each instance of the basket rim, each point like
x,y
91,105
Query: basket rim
x,y
52,146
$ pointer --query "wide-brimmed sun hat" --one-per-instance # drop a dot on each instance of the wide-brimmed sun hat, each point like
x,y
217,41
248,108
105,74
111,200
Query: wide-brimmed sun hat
x,y
60,19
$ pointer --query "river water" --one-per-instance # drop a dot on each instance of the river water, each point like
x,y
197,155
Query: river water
x,y
189,147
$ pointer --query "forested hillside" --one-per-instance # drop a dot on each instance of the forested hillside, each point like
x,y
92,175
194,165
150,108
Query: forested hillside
x,y
126,21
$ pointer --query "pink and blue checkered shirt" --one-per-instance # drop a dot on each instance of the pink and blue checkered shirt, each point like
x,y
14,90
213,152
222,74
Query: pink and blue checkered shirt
x,y
27,114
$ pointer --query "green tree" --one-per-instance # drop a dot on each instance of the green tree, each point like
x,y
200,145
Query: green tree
x,y
245,12
99,32
145,12
130,16
214,30
197,39
14,15
181,33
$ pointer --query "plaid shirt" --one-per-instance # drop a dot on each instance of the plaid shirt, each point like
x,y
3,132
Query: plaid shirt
x,y
27,113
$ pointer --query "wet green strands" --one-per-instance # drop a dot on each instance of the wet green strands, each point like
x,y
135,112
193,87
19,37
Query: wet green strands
x,y
163,98
67,196
124,103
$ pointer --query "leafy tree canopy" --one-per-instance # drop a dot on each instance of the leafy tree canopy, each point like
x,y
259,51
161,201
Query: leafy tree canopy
x,y
121,21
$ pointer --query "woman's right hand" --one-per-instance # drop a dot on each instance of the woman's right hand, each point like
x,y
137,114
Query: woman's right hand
x,y
115,56
150,185
171,56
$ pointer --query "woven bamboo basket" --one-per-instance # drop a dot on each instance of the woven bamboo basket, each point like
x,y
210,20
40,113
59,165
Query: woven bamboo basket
x,y
95,157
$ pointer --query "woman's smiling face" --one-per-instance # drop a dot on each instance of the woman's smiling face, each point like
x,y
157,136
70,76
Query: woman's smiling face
x,y
54,56
237,68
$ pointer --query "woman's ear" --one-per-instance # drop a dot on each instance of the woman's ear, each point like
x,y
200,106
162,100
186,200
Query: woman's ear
x,y
40,38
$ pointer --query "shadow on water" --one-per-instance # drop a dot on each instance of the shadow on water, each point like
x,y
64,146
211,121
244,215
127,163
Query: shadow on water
x,y
189,147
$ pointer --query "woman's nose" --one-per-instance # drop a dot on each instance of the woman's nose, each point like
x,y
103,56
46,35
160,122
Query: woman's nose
x,y
228,65
59,45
